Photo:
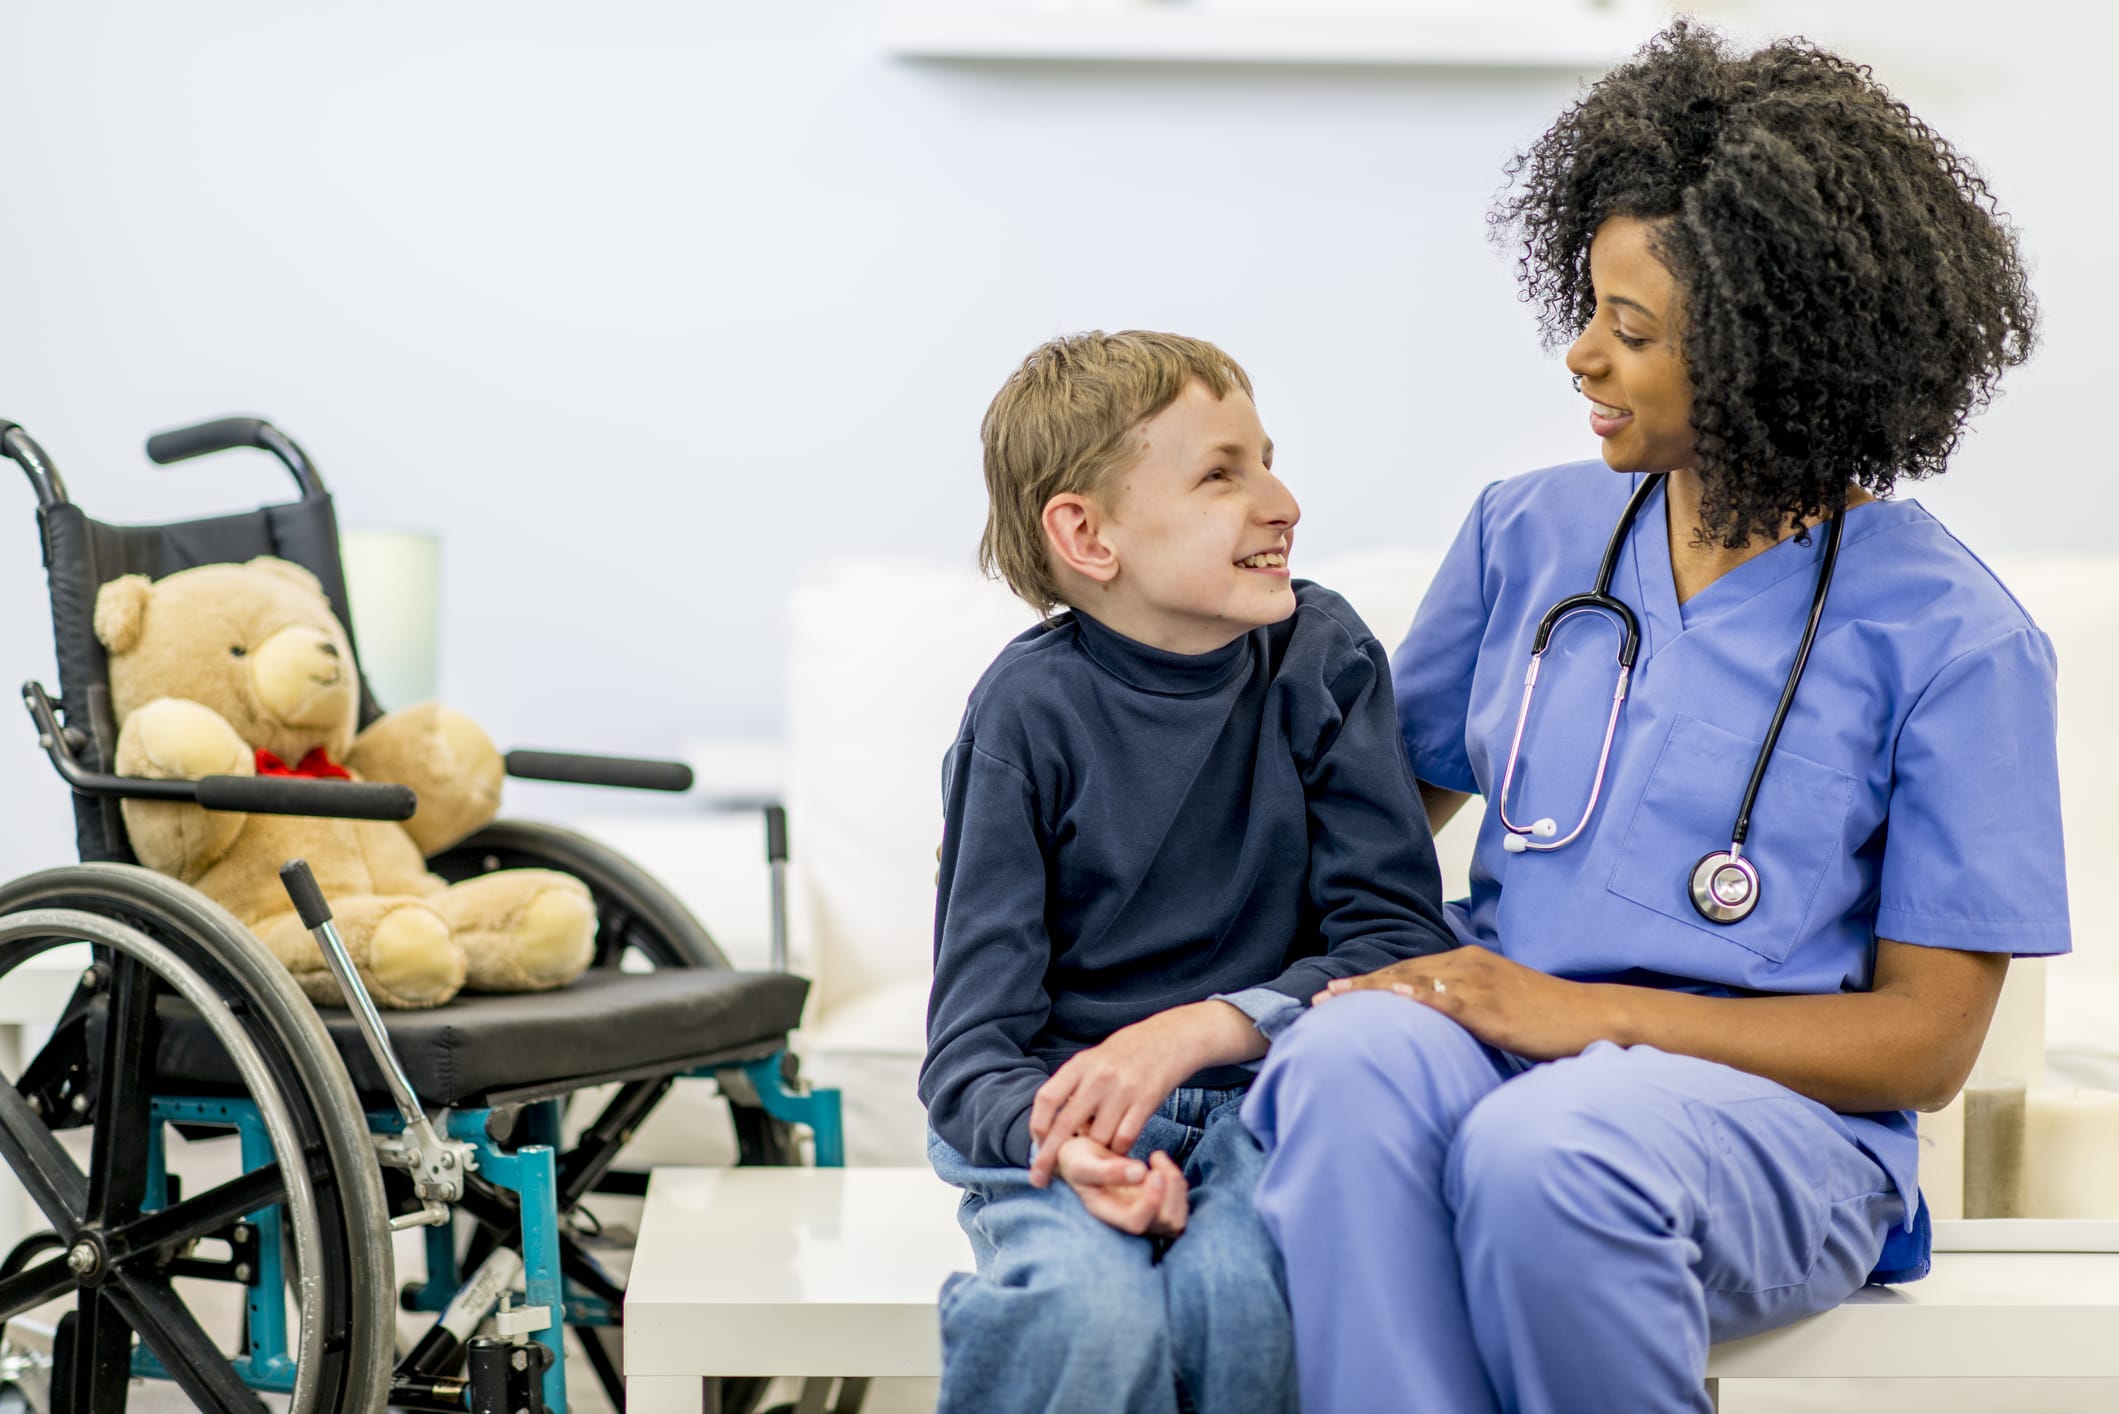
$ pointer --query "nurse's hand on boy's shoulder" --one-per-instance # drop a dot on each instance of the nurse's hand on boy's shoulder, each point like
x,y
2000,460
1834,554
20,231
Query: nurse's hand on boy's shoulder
x,y
1503,1003
1147,1200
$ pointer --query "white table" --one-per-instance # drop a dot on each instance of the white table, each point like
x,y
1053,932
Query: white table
x,y
805,1272
834,1272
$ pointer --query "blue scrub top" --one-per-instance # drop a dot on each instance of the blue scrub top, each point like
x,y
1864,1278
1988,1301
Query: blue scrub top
x,y
1914,793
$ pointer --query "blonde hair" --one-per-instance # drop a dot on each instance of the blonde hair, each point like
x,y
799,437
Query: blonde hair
x,y
1064,421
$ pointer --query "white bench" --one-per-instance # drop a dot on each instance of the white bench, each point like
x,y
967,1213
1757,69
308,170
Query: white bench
x,y
824,1273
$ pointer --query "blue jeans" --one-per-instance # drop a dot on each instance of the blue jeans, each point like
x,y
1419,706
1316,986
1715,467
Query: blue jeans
x,y
1068,1314
1489,1235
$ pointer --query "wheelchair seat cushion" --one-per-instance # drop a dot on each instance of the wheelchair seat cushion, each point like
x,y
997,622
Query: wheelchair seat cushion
x,y
499,1049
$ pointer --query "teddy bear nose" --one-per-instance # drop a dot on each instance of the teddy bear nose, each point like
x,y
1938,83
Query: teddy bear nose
x,y
301,675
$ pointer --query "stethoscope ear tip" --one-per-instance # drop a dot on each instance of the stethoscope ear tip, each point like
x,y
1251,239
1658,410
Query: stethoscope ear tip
x,y
1514,844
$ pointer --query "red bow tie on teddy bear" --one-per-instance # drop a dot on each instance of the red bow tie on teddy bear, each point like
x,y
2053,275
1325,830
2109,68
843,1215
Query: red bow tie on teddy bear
x,y
315,763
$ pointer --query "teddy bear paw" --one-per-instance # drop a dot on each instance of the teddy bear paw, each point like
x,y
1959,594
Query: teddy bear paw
x,y
555,937
173,738
413,960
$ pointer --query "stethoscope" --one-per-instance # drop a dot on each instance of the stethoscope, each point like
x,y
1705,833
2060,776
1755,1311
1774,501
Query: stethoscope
x,y
1724,885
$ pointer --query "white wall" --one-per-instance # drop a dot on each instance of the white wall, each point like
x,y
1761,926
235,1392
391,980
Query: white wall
x,y
642,304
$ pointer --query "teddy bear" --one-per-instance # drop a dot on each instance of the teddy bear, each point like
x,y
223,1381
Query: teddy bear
x,y
242,669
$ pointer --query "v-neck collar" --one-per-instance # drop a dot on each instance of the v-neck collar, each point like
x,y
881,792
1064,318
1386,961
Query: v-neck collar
x,y
1663,618
1654,582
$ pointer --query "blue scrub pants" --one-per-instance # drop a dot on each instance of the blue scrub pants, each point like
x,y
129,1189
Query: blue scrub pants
x,y
1068,1314
1465,1231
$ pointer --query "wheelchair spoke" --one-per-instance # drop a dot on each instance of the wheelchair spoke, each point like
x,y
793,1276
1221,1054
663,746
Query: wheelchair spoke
x,y
102,1357
185,1350
117,1169
34,1287
54,1181
199,1215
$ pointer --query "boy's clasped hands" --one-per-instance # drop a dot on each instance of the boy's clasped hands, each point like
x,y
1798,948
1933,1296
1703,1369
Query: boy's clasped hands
x,y
1085,1119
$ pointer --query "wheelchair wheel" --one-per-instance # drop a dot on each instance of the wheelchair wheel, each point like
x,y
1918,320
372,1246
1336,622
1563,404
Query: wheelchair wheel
x,y
641,925
158,943
639,921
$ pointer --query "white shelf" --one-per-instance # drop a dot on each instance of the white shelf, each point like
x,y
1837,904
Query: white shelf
x,y
1497,37
2026,1235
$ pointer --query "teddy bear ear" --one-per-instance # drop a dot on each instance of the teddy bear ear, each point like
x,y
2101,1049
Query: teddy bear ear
x,y
288,570
121,611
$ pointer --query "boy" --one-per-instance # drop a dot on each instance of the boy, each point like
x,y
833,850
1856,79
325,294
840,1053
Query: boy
x,y
1173,814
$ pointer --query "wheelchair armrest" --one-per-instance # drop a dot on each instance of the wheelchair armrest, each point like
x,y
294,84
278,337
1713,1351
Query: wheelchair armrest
x,y
281,795
632,773
255,795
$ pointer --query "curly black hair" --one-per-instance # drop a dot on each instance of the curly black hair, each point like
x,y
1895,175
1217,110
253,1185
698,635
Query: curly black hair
x,y
1851,290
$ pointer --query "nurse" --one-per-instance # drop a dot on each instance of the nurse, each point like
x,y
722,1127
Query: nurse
x,y
1662,1094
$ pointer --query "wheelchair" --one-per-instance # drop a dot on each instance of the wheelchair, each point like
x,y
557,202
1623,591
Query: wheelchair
x,y
452,1119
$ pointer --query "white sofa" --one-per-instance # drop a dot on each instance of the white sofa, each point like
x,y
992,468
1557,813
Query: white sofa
x,y
881,654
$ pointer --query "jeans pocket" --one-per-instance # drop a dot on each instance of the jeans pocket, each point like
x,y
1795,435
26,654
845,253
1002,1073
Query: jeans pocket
x,y
1166,1134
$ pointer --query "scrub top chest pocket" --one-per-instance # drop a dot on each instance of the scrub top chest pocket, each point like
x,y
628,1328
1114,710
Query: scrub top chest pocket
x,y
1797,829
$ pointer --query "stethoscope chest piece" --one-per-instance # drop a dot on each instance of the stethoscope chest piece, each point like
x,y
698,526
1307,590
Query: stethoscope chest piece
x,y
1724,887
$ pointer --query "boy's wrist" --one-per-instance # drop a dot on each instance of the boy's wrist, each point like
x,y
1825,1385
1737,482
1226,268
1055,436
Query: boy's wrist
x,y
1199,1036
1224,1034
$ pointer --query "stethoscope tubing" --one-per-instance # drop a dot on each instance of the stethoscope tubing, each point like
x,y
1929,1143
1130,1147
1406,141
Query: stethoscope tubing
x,y
1611,727
1742,829
1600,600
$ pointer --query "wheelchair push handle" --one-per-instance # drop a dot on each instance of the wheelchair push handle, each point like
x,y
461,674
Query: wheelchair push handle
x,y
300,883
226,433
632,773
775,834
22,449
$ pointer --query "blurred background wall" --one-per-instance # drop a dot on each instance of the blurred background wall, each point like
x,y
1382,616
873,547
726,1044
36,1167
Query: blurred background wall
x,y
644,304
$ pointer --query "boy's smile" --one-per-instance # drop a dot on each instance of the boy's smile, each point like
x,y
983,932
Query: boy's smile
x,y
1188,550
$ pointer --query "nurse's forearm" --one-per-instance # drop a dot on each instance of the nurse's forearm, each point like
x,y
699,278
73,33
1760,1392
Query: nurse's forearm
x,y
1908,1043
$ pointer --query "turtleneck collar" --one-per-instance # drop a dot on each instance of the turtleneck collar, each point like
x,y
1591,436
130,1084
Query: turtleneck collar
x,y
1158,670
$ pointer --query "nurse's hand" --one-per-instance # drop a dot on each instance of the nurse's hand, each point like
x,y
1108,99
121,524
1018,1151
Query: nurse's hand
x,y
1151,1200
1505,1004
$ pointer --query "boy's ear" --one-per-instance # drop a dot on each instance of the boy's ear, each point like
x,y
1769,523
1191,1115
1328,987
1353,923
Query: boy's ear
x,y
1074,536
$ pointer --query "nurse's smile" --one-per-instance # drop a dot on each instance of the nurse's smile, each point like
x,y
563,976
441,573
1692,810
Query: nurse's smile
x,y
1605,420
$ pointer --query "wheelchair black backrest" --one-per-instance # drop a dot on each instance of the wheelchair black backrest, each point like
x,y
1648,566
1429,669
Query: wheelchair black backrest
x,y
82,555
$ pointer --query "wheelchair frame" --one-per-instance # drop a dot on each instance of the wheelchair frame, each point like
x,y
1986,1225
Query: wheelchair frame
x,y
124,1231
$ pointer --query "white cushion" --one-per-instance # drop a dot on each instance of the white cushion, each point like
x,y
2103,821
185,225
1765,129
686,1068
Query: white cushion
x,y
881,657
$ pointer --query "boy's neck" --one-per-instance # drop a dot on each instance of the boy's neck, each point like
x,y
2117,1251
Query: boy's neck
x,y
1192,639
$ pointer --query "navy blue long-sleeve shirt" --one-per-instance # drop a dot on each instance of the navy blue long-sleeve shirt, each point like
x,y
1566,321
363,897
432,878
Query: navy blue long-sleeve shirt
x,y
1128,830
